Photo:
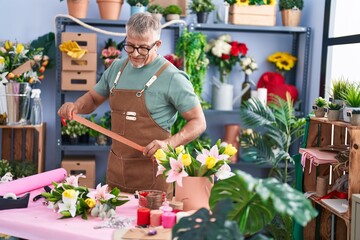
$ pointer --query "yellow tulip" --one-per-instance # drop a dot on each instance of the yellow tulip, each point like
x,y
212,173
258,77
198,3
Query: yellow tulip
x,y
70,193
186,159
179,149
19,48
8,45
90,202
160,155
230,150
210,162
2,60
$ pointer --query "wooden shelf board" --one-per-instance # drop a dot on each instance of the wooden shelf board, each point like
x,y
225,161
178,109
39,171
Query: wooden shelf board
x,y
336,123
344,216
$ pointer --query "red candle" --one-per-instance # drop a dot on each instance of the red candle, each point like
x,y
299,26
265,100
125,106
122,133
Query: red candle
x,y
143,216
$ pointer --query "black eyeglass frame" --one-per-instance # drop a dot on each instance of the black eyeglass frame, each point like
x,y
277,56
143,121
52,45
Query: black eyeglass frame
x,y
137,48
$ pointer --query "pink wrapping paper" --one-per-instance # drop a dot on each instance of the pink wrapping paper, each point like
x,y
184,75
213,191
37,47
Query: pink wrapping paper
x,y
33,182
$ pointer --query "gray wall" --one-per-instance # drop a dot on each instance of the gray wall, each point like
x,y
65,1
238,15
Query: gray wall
x,y
36,17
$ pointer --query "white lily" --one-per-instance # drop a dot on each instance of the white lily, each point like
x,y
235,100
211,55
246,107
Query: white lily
x,y
69,199
224,172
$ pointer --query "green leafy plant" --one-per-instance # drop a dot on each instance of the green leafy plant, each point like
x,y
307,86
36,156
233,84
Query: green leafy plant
x,y
352,95
204,225
251,2
138,3
291,4
74,129
5,167
334,106
339,88
320,102
273,129
18,169
257,201
355,111
172,9
155,8
104,121
197,6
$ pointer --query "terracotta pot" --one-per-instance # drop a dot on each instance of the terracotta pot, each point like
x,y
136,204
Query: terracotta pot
x,y
78,8
231,136
290,17
194,193
110,9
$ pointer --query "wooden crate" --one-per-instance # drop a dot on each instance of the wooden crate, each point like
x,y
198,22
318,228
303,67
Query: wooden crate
x,y
264,15
24,143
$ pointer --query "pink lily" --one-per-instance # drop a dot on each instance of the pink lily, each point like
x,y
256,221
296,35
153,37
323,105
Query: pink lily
x,y
177,172
74,180
100,193
214,152
161,168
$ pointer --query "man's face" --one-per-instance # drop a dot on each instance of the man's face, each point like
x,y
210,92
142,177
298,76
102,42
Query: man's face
x,y
144,48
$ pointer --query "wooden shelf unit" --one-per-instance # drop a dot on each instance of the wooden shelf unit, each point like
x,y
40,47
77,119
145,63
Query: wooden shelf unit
x,y
24,143
331,225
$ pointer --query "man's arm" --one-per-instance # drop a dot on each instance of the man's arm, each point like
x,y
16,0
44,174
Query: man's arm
x,y
195,125
83,105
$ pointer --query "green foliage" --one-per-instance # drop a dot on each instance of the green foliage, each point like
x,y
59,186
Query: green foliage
x,y
133,3
18,169
203,225
352,95
291,4
339,88
334,106
5,167
320,102
230,2
74,129
104,121
47,42
155,8
257,201
355,111
172,9
197,6
274,129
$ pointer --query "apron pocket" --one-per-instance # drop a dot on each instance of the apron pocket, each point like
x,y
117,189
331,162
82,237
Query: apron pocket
x,y
139,173
118,126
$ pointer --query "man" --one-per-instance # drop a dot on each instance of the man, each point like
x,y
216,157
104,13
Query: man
x,y
145,92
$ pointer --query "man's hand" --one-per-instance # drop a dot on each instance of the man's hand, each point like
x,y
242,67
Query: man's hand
x,y
67,109
152,147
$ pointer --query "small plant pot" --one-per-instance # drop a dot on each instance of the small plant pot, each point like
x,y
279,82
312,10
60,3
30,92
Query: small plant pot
x,y
290,17
319,111
333,115
101,140
202,17
136,9
74,140
171,17
355,119
158,16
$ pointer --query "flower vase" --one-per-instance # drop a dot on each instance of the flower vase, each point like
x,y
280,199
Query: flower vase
x,y
18,102
246,87
194,193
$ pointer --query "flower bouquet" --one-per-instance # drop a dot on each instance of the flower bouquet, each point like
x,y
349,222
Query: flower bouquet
x,y
110,52
225,53
71,200
22,63
178,163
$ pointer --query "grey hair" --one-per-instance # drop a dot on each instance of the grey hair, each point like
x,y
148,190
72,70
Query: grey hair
x,y
142,23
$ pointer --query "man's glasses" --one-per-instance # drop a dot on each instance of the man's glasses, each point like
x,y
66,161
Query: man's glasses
x,y
143,51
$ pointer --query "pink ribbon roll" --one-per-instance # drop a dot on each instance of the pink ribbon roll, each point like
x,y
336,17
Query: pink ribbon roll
x,y
27,184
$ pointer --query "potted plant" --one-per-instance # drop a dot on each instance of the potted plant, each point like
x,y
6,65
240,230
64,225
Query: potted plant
x,y
202,8
156,10
291,12
319,107
105,122
352,99
172,12
77,8
333,111
73,130
110,9
355,117
137,5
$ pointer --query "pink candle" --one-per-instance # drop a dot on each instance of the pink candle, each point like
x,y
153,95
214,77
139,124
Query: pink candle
x,y
143,216
168,219
155,218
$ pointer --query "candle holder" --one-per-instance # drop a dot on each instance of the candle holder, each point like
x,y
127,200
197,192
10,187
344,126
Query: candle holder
x,y
152,199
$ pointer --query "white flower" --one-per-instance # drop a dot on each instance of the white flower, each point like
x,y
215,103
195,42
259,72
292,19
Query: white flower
x,y
246,61
224,172
225,37
253,66
248,71
69,198
220,48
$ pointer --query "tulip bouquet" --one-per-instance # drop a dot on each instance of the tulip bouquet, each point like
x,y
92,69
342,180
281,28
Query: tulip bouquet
x,y
70,199
178,163
14,55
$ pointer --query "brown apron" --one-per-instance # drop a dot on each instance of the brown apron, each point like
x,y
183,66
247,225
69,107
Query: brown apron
x,y
127,168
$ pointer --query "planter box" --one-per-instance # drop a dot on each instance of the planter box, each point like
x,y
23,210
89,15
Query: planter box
x,y
77,81
264,15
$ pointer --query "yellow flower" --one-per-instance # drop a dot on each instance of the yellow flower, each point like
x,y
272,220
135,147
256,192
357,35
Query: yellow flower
x,y
19,48
242,2
179,149
160,155
8,45
90,202
70,193
2,60
186,159
285,64
230,150
275,57
270,2
210,162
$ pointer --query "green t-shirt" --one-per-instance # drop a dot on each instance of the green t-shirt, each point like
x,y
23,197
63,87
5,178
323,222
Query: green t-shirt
x,y
172,91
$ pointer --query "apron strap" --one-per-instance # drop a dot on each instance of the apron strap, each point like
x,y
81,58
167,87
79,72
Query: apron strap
x,y
153,78
118,75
